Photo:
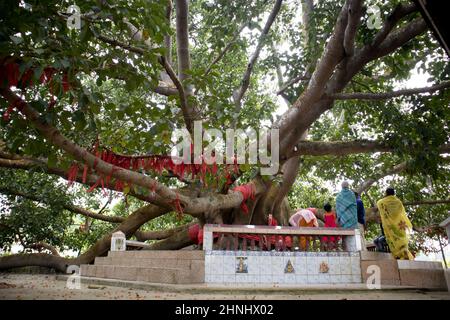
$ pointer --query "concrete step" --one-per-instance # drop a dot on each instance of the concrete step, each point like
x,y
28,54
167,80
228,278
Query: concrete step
x,y
150,262
372,255
412,264
152,275
159,254
232,289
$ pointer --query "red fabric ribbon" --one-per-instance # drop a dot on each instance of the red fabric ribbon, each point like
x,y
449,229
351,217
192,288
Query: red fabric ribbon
x,y
159,163
10,77
178,207
194,233
248,191
72,174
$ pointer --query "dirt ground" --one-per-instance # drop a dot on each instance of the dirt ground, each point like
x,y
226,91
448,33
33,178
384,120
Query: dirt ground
x,y
46,287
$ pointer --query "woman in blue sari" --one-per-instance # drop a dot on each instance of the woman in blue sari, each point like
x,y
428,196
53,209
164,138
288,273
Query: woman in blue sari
x,y
346,209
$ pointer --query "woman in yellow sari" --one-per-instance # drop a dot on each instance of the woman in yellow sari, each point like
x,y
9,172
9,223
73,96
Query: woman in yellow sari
x,y
396,225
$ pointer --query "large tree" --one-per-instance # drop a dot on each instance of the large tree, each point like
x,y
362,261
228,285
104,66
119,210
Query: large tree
x,y
73,99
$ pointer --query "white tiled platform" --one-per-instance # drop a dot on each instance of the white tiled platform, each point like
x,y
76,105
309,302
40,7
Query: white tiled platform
x,y
222,267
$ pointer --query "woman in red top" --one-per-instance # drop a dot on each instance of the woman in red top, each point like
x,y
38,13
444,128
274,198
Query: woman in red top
x,y
329,218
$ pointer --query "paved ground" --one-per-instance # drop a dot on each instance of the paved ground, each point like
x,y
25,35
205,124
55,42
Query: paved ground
x,y
35,287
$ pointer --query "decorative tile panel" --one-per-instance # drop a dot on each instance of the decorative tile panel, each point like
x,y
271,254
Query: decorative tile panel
x,y
230,267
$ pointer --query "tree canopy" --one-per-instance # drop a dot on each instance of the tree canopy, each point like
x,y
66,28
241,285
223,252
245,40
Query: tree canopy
x,y
327,74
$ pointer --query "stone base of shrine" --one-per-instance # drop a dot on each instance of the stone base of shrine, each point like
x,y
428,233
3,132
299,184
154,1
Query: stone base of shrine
x,y
447,278
173,267
290,268
418,274
241,270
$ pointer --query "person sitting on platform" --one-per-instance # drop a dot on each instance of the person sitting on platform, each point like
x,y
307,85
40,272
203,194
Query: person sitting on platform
x,y
346,209
304,218
274,242
361,220
396,225
380,242
329,219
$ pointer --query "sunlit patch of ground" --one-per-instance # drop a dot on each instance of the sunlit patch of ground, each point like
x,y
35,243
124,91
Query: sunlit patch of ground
x,y
35,287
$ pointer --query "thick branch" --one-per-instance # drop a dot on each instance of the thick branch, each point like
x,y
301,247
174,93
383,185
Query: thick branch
x,y
128,226
426,202
178,240
354,15
42,245
338,148
398,38
160,234
303,106
35,259
184,60
166,91
120,44
70,207
91,179
342,148
390,95
313,101
187,112
246,77
402,10
369,182
164,196
168,38
167,196
372,214
290,171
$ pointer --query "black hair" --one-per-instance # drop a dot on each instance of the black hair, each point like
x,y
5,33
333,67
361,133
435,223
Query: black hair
x,y
356,194
327,207
390,192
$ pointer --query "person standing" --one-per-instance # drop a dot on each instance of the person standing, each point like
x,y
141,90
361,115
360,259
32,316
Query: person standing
x,y
329,219
361,212
346,210
396,225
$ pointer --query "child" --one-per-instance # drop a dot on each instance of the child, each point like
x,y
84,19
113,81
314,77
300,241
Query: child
x,y
329,218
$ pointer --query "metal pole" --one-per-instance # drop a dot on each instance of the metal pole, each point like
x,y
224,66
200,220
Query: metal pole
x,y
442,251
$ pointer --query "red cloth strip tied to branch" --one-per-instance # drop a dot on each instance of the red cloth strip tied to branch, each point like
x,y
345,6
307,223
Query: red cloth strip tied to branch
x,y
72,174
248,191
157,164
178,207
10,77
194,232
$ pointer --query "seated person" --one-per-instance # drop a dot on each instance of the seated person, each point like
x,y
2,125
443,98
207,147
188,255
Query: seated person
x,y
304,218
381,244
396,225
279,242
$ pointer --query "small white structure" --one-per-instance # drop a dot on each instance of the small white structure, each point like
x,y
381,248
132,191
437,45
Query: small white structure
x,y
118,241
446,224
